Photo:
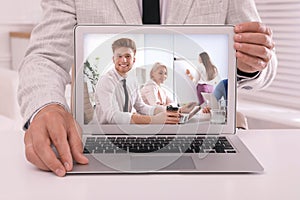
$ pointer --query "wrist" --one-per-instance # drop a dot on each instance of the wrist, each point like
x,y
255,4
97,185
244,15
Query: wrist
x,y
141,119
29,121
52,107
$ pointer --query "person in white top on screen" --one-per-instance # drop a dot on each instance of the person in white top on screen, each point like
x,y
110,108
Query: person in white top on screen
x,y
207,72
111,106
207,76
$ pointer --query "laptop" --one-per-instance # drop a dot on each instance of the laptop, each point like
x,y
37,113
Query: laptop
x,y
210,100
201,145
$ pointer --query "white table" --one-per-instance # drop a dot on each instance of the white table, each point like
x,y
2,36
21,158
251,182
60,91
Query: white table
x,y
277,150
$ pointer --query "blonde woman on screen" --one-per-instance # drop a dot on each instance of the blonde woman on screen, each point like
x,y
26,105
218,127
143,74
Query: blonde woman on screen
x,y
152,92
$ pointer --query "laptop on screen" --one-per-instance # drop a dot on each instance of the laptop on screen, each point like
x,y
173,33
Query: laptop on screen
x,y
114,143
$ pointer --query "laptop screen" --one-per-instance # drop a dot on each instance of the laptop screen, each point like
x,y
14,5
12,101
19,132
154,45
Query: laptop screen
x,y
183,69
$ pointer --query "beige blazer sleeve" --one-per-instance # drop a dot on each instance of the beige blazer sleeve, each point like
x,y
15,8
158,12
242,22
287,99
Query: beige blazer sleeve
x,y
44,72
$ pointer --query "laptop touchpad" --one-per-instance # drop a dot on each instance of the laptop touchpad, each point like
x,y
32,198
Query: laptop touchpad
x,y
162,163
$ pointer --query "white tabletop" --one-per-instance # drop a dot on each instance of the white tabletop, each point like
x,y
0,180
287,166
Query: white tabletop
x,y
277,150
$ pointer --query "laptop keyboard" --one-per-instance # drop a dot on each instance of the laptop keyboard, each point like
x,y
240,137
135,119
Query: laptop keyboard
x,y
158,144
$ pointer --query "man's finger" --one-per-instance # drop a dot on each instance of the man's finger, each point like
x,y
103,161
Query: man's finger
x,y
30,154
262,53
172,122
173,119
173,114
76,143
57,130
41,145
58,135
255,38
254,27
249,64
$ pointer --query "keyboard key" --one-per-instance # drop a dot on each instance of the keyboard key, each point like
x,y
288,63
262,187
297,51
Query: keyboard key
x,y
231,151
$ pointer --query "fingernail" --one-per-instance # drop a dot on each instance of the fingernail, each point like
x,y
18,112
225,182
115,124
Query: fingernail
x,y
261,63
67,166
238,28
60,172
238,37
237,46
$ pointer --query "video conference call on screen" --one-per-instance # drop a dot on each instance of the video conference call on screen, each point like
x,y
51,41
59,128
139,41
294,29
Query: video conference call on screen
x,y
188,73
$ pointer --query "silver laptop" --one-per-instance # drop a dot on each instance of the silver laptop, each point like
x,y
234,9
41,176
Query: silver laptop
x,y
201,145
210,100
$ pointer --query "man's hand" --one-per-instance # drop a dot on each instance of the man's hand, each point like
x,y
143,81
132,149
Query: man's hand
x,y
187,108
206,110
53,125
254,45
166,117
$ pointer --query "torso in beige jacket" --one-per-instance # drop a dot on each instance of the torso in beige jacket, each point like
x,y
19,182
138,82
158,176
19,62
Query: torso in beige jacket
x,y
45,70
